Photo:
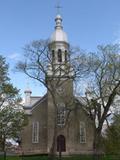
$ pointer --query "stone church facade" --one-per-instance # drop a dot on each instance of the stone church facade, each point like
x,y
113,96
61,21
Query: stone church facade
x,y
74,129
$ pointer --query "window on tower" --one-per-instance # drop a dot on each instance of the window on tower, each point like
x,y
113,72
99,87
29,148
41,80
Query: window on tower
x,y
53,55
59,55
66,54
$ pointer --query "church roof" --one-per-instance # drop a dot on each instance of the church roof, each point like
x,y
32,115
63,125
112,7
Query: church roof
x,y
82,100
33,101
39,101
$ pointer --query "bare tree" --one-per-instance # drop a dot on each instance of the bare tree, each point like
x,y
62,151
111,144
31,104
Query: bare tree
x,y
39,63
103,87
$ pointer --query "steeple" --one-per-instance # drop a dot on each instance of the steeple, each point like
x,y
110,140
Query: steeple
x,y
58,18
58,21
59,50
59,35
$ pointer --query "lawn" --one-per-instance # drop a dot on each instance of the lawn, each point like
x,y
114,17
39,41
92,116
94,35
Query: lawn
x,y
108,157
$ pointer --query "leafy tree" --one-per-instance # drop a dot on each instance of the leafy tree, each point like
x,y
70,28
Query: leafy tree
x,y
7,91
103,87
112,138
12,118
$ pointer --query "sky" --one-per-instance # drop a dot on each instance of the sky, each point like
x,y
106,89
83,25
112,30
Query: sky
x,y
88,23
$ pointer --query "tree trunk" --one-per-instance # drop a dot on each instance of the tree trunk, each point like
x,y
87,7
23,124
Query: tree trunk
x,y
4,149
60,153
97,145
52,150
4,155
53,147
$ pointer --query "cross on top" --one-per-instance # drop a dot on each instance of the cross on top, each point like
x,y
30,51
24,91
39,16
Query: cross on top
x,y
58,7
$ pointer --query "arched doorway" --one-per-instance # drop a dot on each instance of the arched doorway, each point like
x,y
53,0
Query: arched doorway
x,y
61,144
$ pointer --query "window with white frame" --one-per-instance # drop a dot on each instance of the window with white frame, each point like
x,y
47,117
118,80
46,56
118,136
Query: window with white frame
x,y
82,132
35,132
61,114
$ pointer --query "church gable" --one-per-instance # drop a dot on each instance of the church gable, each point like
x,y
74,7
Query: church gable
x,y
40,103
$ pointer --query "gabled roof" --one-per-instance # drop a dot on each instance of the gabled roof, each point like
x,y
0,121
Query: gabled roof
x,y
39,101
82,100
36,101
33,101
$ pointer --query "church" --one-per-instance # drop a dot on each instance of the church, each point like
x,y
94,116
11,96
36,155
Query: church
x,y
59,113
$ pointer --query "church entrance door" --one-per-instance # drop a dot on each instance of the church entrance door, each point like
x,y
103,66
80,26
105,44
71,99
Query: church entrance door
x,y
61,144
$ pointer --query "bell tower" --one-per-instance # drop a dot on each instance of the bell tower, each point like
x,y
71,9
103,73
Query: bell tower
x,y
59,51
59,78
60,71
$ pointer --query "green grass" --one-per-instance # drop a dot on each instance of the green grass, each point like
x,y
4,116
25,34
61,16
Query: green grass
x,y
86,157
11,158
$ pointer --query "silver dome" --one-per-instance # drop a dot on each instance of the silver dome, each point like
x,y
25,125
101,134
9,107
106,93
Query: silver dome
x,y
58,35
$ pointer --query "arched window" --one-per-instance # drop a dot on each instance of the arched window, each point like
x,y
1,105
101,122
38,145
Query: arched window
x,y
82,132
59,55
35,132
66,55
61,114
53,55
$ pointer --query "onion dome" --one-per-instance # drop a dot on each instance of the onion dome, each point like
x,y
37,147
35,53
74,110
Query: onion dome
x,y
58,35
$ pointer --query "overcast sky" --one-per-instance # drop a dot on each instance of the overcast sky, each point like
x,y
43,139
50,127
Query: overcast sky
x,y
87,23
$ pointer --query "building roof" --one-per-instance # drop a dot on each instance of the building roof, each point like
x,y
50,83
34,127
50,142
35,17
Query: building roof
x,y
82,100
36,100
33,101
